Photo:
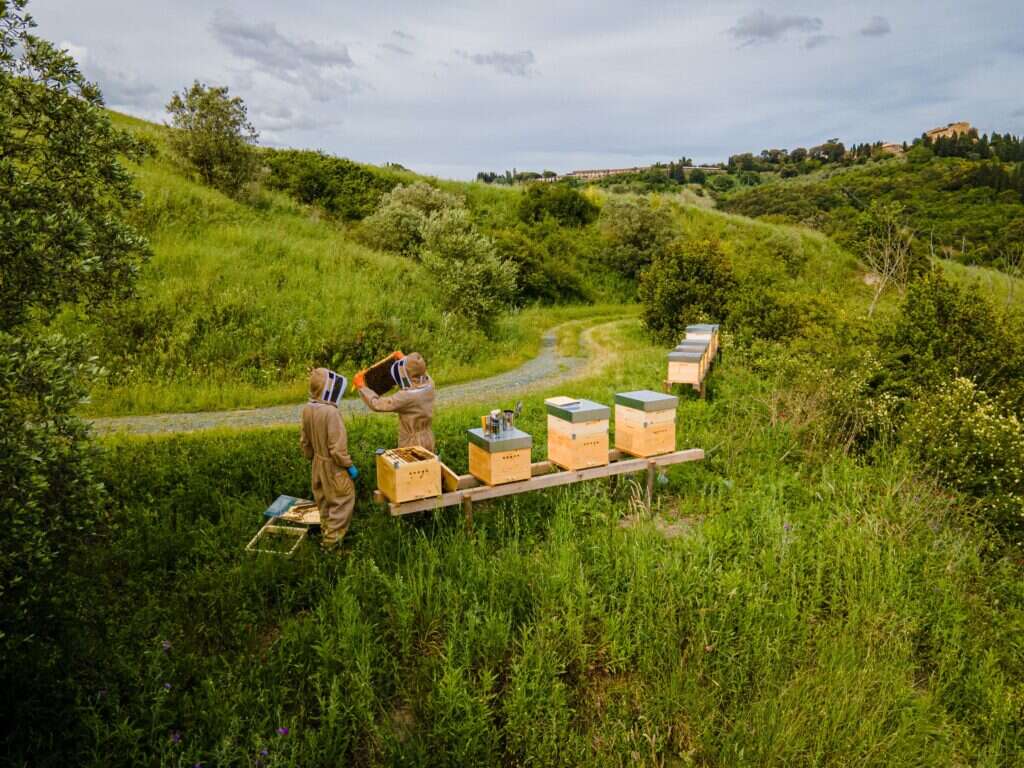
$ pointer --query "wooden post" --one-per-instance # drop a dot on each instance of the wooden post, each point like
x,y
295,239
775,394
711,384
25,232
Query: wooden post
x,y
652,469
467,510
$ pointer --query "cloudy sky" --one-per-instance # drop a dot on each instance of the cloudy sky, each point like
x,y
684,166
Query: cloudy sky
x,y
457,87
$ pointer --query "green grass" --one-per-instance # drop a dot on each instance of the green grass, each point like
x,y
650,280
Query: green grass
x,y
819,611
240,298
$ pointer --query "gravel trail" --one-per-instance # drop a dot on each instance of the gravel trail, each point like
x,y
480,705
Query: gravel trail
x,y
544,370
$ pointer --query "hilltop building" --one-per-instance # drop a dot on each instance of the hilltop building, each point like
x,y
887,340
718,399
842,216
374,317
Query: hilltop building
x,y
949,131
892,148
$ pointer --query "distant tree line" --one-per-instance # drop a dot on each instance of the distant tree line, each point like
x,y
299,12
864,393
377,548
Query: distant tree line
x,y
970,146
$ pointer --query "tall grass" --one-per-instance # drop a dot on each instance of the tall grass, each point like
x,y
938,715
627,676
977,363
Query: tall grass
x,y
818,612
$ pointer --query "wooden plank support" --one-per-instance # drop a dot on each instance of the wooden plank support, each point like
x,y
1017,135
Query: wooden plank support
x,y
546,477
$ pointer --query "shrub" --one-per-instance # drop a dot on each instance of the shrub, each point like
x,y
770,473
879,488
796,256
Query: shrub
x,y
343,188
559,201
973,445
397,224
761,311
213,135
944,329
689,281
633,231
474,282
545,262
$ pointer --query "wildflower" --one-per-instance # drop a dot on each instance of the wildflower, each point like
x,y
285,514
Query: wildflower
x,y
166,645
264,751
282,731
787,527
176,737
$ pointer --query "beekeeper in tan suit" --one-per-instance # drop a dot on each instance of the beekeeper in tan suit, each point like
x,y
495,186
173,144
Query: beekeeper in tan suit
x,y
414,404
325,442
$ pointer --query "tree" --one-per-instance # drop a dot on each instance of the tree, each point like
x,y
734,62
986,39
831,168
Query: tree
x,y
212,133
564,204
633,231
399,221
475,283
689,281
64,237
886,243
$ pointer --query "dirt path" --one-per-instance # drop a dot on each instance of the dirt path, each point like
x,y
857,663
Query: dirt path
x,y
546,369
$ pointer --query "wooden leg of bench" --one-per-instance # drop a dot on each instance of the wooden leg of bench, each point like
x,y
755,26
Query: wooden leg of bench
x,y
652,469
467,510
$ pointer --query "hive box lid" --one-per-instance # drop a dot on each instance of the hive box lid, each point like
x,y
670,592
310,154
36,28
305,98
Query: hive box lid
x,y
699,344
577,410
685,356
702,328
509,440
646,400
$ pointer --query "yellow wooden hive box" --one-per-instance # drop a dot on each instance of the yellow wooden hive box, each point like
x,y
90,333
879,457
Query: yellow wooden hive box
x,y
577,433
645,423
407,474
499,458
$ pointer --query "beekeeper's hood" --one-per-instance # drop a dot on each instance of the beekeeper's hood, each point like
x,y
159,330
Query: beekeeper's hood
x,y
326,385
410,371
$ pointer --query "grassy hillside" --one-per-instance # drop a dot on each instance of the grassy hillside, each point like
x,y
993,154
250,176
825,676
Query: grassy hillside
x,y
946,202
813,593
241,297
785,607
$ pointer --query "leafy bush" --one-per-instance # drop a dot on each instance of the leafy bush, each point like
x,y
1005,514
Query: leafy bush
x,y
546,263
975,446
397,224
633,231
944,330
343,188
762,311
475,283
559,201
689,281
213,135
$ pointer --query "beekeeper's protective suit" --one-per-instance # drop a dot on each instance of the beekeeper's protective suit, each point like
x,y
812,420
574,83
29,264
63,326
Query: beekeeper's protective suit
x,y
414,403
325,441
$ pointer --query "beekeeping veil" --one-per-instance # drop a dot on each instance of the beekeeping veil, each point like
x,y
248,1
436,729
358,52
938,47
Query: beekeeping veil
x,y
408,371
326,385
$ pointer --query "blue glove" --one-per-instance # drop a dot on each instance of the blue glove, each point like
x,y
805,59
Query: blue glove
x,y
353,472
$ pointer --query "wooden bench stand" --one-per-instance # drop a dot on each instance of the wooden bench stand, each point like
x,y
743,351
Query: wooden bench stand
x,y
463,490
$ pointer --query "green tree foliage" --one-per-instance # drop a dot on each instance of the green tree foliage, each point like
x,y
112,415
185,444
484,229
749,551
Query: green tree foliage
x,y
972,444
399,221
689,281
63,238
564,204
212,133
944,330
546,259
475,283
65,191
958,208
633,231
341,187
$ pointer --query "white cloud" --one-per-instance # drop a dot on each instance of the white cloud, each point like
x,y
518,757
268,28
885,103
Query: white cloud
x,y
322,70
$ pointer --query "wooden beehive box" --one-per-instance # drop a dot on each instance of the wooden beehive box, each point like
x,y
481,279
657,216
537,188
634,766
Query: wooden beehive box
x,y
406,474
501,458
704,332
685,367
577,432
645,423
703,347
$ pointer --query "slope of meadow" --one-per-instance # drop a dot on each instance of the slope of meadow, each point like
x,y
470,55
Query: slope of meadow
x,y
788,603
240,297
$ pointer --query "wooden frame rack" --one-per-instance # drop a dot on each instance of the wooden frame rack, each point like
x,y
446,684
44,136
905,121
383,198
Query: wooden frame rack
x,y
463,490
